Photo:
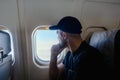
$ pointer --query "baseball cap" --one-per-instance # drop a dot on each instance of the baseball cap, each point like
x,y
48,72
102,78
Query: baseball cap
x,y
68,24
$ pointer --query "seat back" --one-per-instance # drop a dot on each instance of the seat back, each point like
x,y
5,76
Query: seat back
x,y
108,43
117,51
5,68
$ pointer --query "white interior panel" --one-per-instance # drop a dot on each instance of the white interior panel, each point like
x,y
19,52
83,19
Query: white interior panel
x,y
9,18
101,14
106,1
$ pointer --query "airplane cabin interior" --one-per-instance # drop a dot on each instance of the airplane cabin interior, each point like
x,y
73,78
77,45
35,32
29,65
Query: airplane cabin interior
x,y
24,26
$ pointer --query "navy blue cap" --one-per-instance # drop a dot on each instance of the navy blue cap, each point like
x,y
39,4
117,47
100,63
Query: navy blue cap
x,y
68,24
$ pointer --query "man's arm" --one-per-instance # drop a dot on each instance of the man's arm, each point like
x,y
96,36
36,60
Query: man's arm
x,y
55,70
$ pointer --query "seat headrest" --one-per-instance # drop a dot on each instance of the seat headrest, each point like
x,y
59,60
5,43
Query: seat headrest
x,y
86,35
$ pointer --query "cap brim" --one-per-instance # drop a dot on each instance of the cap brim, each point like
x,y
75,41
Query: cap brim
x,y
55,27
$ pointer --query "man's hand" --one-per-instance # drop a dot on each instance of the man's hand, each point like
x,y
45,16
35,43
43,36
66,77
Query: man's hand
x,y
55,70
56,49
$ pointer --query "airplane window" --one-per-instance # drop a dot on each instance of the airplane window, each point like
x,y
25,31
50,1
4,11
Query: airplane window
x,y
10,49
44,39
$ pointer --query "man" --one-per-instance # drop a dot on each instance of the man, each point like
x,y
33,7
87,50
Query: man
x,y
82,61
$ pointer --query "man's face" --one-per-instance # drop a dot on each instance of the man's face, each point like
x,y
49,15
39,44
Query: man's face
x,y
62,40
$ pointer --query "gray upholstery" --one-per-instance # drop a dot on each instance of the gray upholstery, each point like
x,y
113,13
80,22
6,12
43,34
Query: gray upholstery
x,y
5,68
86,35
5,42
6,60
105,43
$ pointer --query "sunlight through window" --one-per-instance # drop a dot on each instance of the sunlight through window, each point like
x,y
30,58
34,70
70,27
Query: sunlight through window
x,y
44,41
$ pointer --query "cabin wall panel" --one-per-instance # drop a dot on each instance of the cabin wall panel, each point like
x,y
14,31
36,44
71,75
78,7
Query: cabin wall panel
x,y
101,14
9,18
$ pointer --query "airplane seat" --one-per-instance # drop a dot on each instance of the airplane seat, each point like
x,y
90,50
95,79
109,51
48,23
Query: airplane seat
x,y
5,57
108,43
117,54
87,33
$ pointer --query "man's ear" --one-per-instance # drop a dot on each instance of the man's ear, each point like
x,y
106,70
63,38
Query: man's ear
x,y
64,34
